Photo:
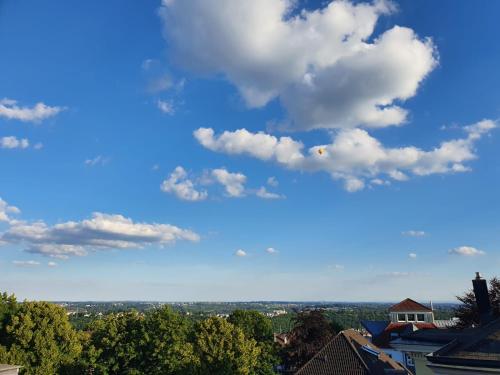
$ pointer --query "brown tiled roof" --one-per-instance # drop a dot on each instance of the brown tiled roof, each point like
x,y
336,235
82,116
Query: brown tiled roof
x,y
409,305
350,353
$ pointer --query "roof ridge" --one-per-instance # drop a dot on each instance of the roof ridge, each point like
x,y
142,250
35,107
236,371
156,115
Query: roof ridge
x,y
354,348
409,300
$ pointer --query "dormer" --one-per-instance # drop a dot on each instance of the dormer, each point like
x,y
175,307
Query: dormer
x,y
410,311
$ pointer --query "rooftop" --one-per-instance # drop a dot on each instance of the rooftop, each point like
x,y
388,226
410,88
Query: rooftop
x,y
351,353
5,368
409,305
474,347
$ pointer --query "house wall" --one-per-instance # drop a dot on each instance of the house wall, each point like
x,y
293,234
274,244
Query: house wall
x,y
10,372
429,316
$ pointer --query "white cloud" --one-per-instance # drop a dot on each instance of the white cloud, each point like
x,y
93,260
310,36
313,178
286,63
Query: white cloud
x,y
25,263
166,107
234,183
336,267
52,264
6,210
414,233
271,250
100,232
398,274
240,253
353,155
264,194
272,181
40,111
38,146
412,256
468,251
13,142
323,65
182,187
98,160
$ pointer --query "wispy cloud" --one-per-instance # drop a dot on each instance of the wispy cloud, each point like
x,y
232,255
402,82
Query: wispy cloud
x,y
412,255
25,263
6,210
272,181
467,251
192,188
166,106
100,232
179,184
263,193
13,142
240,253
414,233
11,110
271,250
98,160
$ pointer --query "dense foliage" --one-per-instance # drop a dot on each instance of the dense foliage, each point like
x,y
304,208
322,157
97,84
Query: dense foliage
x,y
467,312
45,338
39,337
312,330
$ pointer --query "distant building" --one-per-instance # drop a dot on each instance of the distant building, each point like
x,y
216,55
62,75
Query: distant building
x,y
9,370
405,317
351,353
410,311
452,351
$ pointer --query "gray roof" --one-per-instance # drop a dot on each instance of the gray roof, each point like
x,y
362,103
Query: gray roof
x,y
475,347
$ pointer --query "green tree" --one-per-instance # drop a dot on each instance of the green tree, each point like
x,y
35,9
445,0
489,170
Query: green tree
x,y
166,346
468,314
223,349
8,308
253,323
40,337
260,328
115,344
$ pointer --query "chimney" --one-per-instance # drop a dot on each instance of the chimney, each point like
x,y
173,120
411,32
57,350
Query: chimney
x,y
482,298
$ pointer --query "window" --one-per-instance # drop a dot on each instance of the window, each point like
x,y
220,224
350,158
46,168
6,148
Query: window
x,y
411,317
401,318
421,317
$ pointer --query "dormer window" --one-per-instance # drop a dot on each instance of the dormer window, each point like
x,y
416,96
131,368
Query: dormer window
x,y
401,318
411,317
421,317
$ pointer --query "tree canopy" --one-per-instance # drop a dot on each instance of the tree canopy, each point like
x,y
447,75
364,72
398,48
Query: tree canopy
x,y
223,349
38,336
468,314
310,333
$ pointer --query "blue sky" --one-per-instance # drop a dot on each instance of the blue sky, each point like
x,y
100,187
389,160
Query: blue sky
x,y
157,151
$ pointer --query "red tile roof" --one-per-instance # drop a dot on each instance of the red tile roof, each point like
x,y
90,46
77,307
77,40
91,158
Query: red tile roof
x,y
409,305
396,327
